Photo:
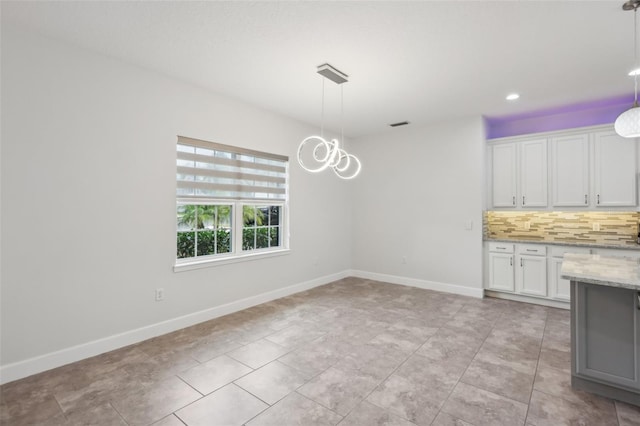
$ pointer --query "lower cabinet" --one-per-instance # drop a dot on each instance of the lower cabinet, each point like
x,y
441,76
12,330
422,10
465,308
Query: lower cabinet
x,y
535,270
520,268
531,276
559,288
501,271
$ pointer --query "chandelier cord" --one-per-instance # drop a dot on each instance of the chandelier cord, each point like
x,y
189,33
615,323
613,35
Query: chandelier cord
x,y
322,112
342,114
635,55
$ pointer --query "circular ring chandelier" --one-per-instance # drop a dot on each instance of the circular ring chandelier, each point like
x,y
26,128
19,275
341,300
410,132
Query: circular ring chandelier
x,y
328,154
315,153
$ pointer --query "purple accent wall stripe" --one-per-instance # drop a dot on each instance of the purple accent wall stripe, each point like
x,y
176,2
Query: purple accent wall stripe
x,y
602,111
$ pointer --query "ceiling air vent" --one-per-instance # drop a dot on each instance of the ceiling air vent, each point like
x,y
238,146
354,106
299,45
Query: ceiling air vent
x,y
401,123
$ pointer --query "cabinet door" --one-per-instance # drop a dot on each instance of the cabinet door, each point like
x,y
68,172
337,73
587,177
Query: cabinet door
x,y
501,271
532,275
615,170
503,175
559,288
607,335
570,171
533,173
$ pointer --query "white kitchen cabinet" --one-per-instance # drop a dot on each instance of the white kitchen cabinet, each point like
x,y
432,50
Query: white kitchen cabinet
x,y
560,288
570,171
533,173
535,270
580,168
501,272
503,176
501,262
531,273
519,174
614,170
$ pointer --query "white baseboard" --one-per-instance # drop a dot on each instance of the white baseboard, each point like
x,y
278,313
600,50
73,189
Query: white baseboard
x,y
427,285
28,367
526,299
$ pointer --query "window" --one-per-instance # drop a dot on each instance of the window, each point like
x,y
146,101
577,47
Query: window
x,y
261,228
231,202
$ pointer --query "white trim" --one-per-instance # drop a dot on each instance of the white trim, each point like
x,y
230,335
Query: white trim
x,y
20,369
424,284
552,133
526,299
199,264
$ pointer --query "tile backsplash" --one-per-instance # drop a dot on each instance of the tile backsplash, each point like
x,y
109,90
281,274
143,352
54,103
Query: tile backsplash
x,y
615,228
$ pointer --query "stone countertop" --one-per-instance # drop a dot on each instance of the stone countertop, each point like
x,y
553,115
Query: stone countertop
x,y
602,270
565,243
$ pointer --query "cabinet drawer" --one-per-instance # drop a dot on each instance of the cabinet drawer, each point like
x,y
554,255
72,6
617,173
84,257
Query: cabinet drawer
x,y
532,249
561,251
500,248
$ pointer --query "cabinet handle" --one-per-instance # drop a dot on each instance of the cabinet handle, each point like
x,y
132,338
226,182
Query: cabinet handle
x,y
523,200
585,199
521,262
638,294
532,250
598,199
511,264
514,200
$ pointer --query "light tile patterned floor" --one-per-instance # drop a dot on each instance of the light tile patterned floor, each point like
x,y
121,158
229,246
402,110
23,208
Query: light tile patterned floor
x,y
354,352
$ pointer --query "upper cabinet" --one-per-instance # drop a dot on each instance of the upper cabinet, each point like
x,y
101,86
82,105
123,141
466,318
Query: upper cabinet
x,y
615,170
504,160
533,173
586,169
570,171
519,174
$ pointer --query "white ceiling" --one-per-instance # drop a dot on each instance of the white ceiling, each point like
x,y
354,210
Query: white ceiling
x,y
417,61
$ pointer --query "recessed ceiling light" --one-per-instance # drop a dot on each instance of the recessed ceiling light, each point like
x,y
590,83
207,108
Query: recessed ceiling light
x,y
512,96
634,72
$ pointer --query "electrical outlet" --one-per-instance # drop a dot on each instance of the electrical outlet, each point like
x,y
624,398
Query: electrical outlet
x,y
527,225
159,294
404,260
596,226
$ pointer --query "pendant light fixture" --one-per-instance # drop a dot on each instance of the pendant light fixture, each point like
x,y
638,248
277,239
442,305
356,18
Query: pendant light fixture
x,y
315,153
628,123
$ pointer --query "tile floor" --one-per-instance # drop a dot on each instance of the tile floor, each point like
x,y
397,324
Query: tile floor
x,y
354,352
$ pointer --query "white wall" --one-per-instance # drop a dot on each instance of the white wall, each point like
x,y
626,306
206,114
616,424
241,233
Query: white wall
x,y
88,199
417,189
88,205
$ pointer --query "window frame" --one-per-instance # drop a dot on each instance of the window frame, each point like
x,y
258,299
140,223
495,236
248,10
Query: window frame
x,y
237,254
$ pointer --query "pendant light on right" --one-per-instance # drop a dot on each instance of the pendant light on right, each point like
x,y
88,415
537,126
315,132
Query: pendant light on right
x,y
627,124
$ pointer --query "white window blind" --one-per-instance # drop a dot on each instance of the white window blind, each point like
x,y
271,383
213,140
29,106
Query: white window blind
x,y
213,170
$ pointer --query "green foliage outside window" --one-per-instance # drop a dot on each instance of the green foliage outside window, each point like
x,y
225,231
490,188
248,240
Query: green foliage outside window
x,y
260,227
208,243
203,230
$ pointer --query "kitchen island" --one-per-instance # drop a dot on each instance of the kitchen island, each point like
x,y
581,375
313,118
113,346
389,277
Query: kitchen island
x,y
605,325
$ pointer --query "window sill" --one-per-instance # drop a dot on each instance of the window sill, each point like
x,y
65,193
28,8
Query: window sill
x,y
200,264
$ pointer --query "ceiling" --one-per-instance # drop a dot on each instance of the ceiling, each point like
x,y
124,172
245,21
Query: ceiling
x,y
422,61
